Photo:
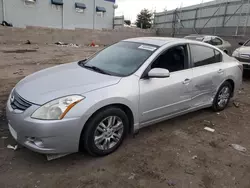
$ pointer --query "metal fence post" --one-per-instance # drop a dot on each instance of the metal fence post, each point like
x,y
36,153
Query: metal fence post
x,y
174,23
247,17
239,18
195,19
225,14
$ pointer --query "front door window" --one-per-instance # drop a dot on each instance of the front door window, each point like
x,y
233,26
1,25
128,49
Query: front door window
x,y
174,59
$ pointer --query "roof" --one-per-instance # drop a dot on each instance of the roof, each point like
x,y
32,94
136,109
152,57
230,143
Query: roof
x,y
200,35
160,41
156,41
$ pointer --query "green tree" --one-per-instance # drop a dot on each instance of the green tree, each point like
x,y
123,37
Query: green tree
x,y
144,19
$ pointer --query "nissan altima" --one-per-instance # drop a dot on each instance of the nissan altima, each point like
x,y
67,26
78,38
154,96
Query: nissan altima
x,y
93,104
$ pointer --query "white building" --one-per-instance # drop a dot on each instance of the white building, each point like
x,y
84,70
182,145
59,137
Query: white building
x,y
66,14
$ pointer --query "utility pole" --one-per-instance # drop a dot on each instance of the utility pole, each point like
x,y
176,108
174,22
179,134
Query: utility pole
x,y
3,10
94,13
115,6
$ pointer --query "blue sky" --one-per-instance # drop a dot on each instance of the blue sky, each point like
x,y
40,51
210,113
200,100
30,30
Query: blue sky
x,y
130,8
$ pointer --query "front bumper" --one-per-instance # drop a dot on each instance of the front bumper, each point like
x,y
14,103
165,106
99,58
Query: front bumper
x,y
44,136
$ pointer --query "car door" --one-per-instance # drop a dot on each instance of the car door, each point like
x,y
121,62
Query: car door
x,y
208,73
160,97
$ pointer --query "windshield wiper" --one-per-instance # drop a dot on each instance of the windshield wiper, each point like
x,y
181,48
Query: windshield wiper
x,y
96,69
82,62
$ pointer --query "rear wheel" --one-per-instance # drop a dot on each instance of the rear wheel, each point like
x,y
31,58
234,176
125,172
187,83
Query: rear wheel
x,y
105,131
222,97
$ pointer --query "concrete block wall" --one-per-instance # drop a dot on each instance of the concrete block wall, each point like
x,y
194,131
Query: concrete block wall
x,y
44,14
79,36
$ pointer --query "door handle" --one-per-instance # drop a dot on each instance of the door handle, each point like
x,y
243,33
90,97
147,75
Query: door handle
x,y
220,71
186,81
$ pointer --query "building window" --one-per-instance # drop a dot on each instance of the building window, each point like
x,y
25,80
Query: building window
x,y
29,2
100,11
57,2
80,7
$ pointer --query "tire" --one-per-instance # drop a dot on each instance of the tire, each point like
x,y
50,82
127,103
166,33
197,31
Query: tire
x,y
94,130
218,103
226,51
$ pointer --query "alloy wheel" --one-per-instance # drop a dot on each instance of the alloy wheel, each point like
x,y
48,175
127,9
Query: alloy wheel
x,y
223,97
108,133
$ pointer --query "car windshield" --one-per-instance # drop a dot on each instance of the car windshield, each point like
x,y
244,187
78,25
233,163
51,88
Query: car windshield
x,y
197,38
120,59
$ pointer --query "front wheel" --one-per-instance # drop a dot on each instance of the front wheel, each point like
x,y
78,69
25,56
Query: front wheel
x,y
222,97
105,131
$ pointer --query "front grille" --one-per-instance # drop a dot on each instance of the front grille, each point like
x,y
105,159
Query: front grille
x,y
18,102
243,60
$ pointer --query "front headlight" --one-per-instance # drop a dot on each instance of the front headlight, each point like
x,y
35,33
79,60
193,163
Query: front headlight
x,y
236,53
57,109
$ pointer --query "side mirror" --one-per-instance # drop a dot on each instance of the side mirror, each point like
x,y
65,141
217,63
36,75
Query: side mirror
x,y
241,43
158,73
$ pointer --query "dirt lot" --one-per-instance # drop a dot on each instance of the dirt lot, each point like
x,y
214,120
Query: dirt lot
x,y
176,153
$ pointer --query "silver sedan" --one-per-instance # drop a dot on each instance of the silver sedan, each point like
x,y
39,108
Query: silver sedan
x,y
93,104
213,40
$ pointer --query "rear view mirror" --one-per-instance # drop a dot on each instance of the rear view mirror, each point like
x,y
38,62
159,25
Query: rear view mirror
x,y
241,43
158,73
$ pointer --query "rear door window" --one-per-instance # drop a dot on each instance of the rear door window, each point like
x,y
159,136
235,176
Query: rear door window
x,y
202,55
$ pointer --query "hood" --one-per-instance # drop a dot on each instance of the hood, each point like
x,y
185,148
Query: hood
x,y
60,81
244,50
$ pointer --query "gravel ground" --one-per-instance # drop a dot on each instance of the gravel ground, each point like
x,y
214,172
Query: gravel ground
x,y
175,153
